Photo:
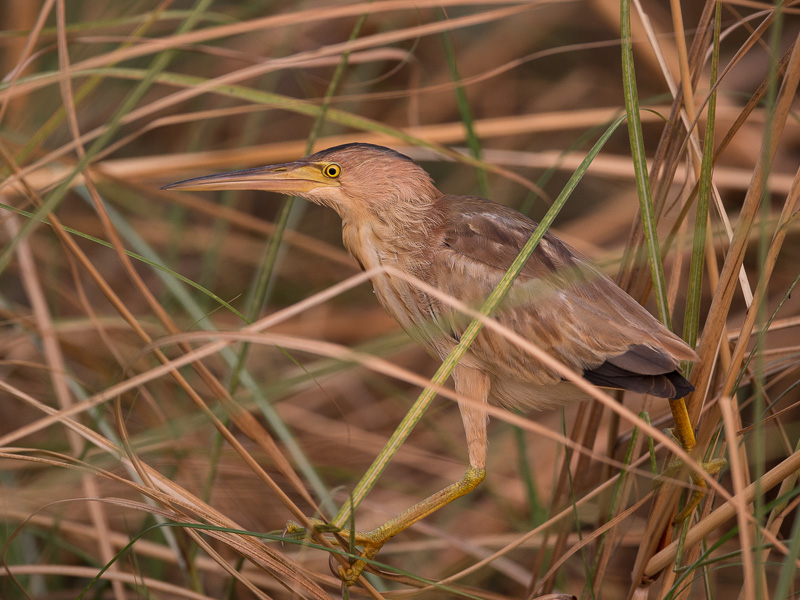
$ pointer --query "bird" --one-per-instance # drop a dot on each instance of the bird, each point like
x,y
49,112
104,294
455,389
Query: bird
x,y
393,215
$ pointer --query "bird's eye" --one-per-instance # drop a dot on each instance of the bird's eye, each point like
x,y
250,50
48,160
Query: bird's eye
x,y
332,170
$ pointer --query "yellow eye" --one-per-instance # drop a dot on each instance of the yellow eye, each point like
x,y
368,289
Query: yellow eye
x,y
332,170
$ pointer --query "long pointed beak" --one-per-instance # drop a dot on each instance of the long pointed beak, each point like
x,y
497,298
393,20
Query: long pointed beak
x,y
289,178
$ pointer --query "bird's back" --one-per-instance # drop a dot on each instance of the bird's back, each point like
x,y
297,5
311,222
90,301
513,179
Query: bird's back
x,y
560,302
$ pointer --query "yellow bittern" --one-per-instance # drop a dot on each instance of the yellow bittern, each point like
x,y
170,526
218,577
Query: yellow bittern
x,y
393,215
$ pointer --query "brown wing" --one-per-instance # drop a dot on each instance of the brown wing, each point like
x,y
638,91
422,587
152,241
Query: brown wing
x,y
560,302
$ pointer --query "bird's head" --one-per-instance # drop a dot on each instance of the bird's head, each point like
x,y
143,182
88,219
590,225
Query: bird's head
x,y
357,180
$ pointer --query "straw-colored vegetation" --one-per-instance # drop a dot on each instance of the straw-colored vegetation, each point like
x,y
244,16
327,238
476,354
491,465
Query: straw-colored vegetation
x,y
181,374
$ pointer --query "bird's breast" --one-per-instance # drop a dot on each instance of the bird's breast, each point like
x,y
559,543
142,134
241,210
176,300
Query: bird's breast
x,y
400,297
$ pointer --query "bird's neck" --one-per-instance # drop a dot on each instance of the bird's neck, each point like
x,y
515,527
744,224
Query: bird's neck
x,y
401,246
392,239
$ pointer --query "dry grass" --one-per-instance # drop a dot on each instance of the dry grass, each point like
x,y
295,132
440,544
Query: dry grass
x,y
154,444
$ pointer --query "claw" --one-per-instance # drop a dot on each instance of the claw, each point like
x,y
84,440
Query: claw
x,y
334,567
295,530
350,575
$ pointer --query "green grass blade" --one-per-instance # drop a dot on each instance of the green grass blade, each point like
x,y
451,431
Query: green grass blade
x,y
640,166
694,294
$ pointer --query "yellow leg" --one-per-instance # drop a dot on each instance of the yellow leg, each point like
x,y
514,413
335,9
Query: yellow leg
x,y
373,541
684,432
683,426
470,383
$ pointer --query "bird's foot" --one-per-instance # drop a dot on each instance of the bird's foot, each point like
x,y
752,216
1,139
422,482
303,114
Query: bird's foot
x,y
676,469
370,541
373,541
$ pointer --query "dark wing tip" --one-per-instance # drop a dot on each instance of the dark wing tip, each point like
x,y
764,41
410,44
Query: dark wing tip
x,y
670,385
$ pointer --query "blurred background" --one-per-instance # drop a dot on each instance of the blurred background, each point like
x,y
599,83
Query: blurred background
x,y
108,456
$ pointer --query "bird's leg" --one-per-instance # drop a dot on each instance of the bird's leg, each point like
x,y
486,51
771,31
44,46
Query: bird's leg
x,y
684,432
374,540
472,384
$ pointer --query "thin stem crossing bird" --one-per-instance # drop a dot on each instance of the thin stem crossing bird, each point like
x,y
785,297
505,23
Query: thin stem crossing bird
x,y
393,215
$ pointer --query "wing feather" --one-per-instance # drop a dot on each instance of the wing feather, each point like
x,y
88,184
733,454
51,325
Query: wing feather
x,y
560,302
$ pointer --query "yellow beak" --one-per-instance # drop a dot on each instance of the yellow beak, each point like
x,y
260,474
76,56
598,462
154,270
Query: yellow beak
x,y
289,178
